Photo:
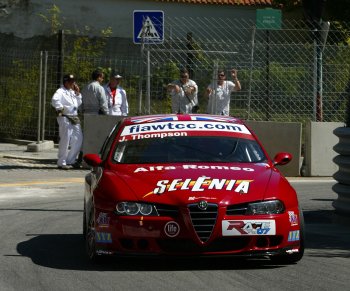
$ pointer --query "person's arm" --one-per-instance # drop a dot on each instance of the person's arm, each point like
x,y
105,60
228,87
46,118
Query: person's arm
x,y
77,94
235,80
103,100
173,88
56,102
125,106
208,91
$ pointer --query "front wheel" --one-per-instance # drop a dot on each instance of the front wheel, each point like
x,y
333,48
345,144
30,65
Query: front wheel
x,y
90,237
84,223
295,257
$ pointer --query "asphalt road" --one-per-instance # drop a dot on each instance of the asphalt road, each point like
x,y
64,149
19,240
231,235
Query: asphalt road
x,y
41,245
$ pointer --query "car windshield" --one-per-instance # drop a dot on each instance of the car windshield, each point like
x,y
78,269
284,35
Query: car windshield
x,y
188,149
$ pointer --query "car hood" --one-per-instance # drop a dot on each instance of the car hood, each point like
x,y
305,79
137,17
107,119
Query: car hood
x,y
183,184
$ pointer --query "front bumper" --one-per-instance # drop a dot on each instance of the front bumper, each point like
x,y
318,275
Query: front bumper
x,y
176,235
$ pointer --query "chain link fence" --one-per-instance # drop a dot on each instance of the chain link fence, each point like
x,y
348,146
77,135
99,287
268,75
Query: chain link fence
x,y
286,75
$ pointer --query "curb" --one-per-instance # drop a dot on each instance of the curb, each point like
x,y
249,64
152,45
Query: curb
x,y
27,158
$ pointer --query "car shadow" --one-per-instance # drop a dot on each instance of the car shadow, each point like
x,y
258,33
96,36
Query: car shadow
x,y
67,251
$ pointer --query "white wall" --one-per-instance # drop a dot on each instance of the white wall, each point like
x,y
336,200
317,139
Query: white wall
x,y
22,16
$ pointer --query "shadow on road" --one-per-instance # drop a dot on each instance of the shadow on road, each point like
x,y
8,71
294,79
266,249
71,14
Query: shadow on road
x,y
327,233
67,251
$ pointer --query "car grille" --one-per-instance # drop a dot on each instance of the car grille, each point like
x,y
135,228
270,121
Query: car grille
x,y
203,221
167,210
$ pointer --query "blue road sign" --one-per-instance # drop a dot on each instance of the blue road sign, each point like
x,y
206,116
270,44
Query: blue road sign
x,y
148,26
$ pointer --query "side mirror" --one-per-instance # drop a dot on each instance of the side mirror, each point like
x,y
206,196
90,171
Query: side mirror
x,y
282,159
92,160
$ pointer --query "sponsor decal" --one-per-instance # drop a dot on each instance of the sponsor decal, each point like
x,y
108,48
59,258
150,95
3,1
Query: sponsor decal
x,y
192,198
103,237
172,229
104,252
293,218
183,126
294,235
248,227
192,167
179,128
152,135
201,184
103,219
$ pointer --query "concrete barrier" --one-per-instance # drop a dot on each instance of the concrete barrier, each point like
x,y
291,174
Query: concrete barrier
x,y
281,137
319,153
275,136
96,129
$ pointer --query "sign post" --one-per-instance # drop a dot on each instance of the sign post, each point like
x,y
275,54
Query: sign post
x,y
268,19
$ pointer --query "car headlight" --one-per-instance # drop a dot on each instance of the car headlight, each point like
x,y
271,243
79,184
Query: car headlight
x,y
265,207
133,208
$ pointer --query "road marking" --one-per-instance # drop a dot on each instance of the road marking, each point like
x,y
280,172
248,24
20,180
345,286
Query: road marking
x,y
29,183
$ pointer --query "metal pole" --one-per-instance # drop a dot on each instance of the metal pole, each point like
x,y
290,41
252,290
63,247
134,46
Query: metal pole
x,y
148,96
319,105
213,106
40,92
139,109
44,98
60,60
315,82
251,71
267,75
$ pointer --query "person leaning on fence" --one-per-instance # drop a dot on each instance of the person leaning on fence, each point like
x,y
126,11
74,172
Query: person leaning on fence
x,y
66,101
94,96
183,94
116,97
219,93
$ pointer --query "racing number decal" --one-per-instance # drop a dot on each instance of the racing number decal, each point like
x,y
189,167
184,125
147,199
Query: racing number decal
x,y
248,227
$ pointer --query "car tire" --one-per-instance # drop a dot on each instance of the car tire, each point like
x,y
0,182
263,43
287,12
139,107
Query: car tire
x,y
84,223
293,258
90,238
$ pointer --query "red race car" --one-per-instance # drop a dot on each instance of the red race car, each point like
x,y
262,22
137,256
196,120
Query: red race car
x,y
189,185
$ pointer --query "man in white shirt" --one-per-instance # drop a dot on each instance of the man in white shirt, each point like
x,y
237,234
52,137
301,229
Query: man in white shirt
x,y
66,101
219,93
183,93
116,97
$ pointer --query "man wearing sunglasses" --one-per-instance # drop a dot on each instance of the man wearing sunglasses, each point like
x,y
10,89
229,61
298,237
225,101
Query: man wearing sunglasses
x,y
183,94
219,93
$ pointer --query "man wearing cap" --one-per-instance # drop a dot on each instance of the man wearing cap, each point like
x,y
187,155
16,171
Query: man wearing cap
x,y
94,97
116,97
66,101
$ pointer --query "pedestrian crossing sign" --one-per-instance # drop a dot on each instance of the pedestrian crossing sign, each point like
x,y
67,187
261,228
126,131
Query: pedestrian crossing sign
x,y
148,26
